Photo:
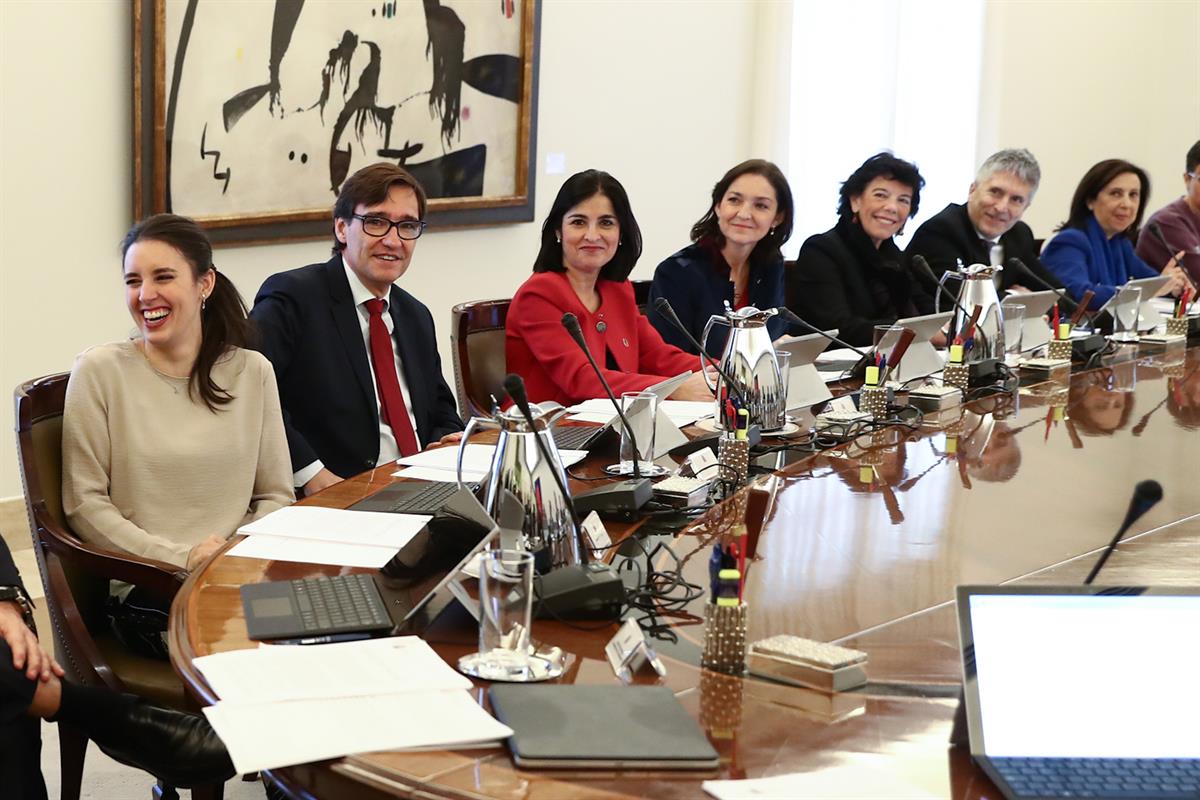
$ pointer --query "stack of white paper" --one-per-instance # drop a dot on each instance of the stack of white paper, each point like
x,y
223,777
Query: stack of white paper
x,y
314,535
680,412
283,705
441,464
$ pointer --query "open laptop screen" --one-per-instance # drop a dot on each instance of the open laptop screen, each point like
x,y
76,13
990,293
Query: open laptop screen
x,y
1082,671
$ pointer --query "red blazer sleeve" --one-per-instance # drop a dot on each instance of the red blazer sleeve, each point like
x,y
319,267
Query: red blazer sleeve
x,y
540,350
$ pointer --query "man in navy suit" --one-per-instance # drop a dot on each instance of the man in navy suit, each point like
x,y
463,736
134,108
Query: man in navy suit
x,y
355,356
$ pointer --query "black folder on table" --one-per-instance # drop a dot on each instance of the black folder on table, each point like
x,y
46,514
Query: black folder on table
x,y
600,727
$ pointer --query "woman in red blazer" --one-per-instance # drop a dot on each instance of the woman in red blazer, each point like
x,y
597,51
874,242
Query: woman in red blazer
x,y
590,242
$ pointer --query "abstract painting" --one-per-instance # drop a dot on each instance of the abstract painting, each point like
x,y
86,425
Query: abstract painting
x,y
249,114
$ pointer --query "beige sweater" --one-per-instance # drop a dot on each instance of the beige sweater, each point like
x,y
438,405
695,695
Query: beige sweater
x,y
151,471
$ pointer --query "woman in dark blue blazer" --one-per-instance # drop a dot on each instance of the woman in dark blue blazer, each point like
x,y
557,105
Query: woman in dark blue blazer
x,y
734,256
1094,247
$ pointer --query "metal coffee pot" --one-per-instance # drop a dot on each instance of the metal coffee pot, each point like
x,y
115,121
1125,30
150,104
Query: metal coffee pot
x,y
978,289
749,360
521,476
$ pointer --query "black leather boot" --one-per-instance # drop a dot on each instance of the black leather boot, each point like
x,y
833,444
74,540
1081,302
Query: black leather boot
x,y
181,749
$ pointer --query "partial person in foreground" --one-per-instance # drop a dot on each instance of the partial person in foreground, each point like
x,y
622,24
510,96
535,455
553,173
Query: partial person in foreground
x,y
355,355
590,243
172,440
987,229
181,749
1178,222
735,257
852,276
1093,249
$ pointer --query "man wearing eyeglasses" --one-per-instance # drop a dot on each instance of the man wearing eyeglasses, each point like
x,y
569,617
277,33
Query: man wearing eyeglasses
x,y
356,356
1179,224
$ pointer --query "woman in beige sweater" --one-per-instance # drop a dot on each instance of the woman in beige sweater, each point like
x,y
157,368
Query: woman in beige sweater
x,y
173,439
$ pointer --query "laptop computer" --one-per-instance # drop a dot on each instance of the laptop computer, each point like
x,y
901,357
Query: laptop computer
x,y
1035,331
806,386
1148,315
600,727
579,437
1083,691
421,579
921,359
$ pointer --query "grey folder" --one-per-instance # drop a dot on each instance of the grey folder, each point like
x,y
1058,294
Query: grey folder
x,y
600,727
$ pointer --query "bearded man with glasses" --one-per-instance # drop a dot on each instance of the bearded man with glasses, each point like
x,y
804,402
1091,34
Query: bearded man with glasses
x,y
355,356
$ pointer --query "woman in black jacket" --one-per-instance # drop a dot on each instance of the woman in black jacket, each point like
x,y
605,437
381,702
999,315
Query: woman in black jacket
x,y
852,277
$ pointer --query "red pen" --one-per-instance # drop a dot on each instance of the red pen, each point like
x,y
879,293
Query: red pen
x,y
1055,321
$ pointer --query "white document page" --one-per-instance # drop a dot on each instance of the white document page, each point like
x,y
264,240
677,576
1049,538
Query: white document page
x,y
859,776
439,475
269,735
681,412
389,665
376,528
312,551
477,462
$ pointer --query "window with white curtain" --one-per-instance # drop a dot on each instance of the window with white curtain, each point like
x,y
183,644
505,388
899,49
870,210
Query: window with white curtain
x,y
871,75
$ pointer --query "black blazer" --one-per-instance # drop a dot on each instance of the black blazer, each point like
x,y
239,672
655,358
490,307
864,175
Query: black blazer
x,y
309,329
841,281
8,570
949,235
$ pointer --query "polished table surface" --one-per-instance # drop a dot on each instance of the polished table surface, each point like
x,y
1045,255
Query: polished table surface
x,y
863,546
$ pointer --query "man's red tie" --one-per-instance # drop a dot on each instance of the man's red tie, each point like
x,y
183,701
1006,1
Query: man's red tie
x,y
391,399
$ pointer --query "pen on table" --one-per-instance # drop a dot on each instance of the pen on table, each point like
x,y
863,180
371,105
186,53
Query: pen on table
x,y
330,638
714,570
741,546
1054,321
743,424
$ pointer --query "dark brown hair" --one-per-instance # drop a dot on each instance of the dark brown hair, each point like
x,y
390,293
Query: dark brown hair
x,y
580,187
708,226
223,322
371,185
881,165
1093,182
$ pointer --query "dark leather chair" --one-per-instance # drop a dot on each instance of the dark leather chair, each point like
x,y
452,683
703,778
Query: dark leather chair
x,y
641,294
76,575
477,341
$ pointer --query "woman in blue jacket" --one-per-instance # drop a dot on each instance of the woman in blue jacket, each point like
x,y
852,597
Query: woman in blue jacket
x,y
1093,249
734,256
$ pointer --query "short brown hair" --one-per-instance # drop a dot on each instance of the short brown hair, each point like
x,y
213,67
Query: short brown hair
x,y
370,185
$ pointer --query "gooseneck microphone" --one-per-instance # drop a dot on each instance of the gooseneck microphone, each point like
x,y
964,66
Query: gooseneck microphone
x,y
515,386
1018,266
1171,251
571,323
1145,495
925,273
793,318
663,306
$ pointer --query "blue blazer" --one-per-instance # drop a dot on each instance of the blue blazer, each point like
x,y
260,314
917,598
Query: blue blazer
x,y
690,281
309,330
1086,259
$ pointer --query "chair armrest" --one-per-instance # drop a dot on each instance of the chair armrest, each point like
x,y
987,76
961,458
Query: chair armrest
x,y
160,579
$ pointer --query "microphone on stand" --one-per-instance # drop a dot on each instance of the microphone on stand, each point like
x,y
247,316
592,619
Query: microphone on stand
x,y
624,496
1171,251
571,323
663,306
515,386
1145,495
925,273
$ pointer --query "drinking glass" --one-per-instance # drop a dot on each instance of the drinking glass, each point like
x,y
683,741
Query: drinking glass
x,y
641,410
506,604
784,359
1013,315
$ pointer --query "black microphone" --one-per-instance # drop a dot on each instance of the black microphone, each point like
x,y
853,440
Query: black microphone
x,y
925,272
663,306
791,316
1018,266
1145,495
571,323
1171,251
515,386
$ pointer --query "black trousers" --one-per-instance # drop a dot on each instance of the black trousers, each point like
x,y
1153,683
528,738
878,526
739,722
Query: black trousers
x,y
20,735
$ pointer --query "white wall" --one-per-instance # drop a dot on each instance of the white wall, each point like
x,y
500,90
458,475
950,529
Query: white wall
x,y
629,87
1079,82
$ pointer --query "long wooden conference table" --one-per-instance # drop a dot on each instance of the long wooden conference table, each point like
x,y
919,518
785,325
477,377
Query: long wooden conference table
x,y
862,546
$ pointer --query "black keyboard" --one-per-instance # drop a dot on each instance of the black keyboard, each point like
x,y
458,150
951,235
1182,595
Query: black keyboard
x,y
574,437
341,604
1101,777
429,499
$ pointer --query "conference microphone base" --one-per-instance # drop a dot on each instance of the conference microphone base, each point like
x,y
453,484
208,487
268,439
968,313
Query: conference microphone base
x,y
622,499
583,591
985,372
1083,349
